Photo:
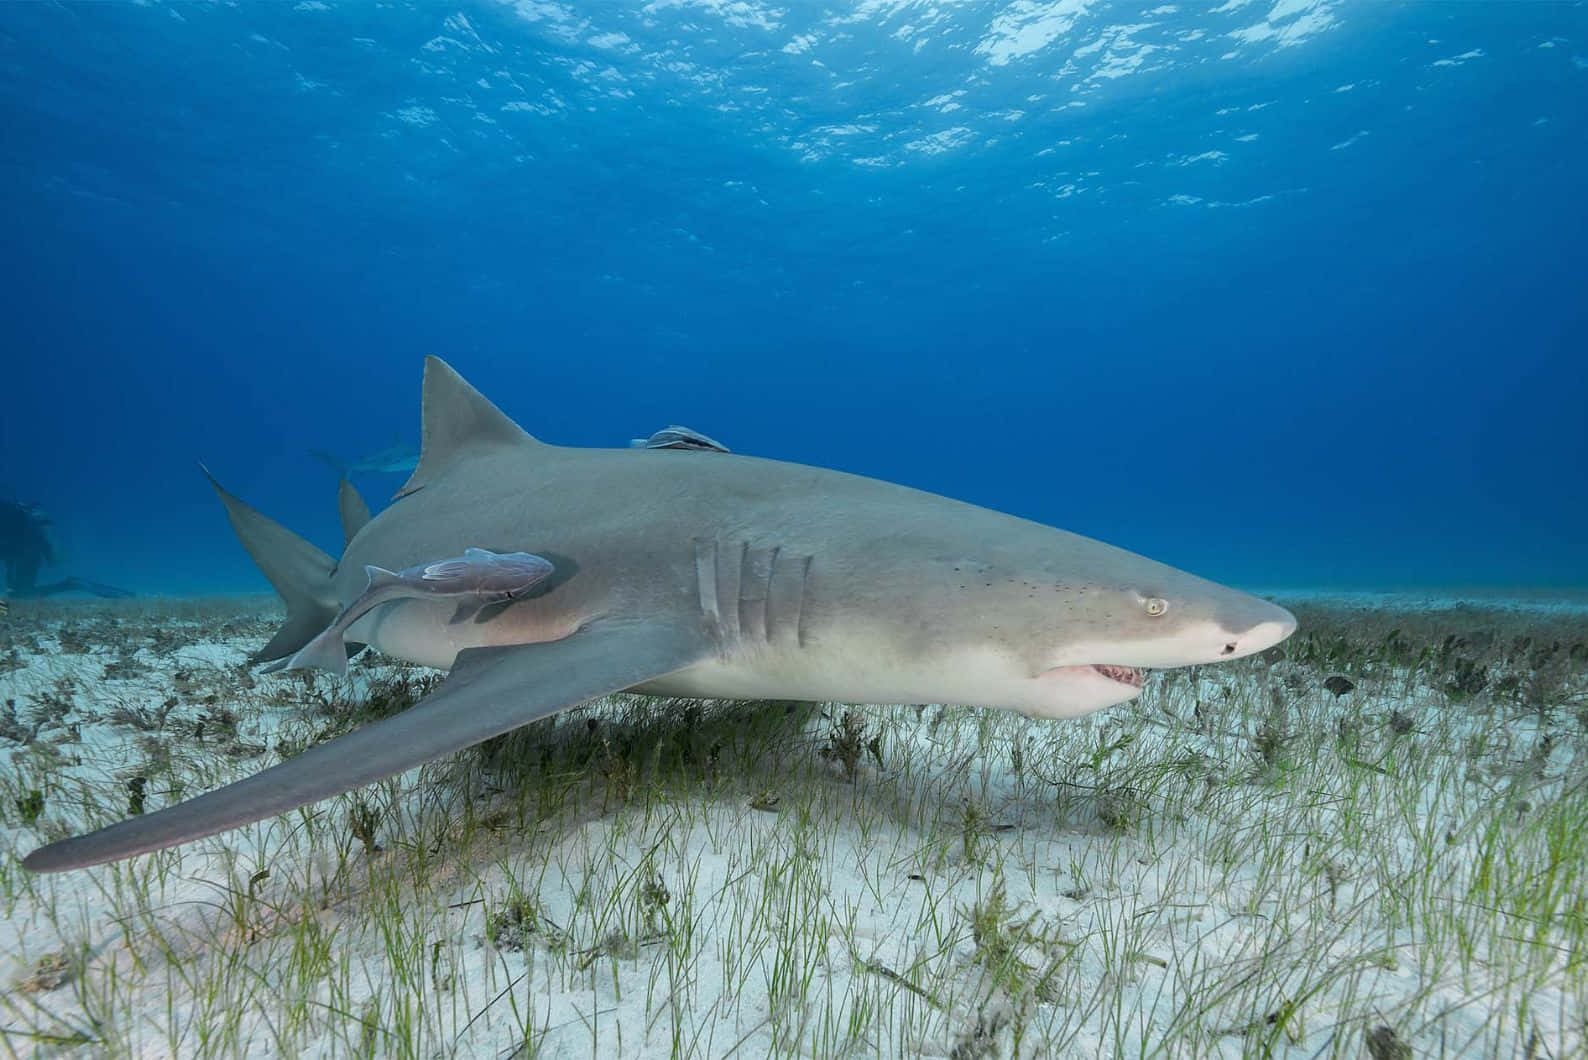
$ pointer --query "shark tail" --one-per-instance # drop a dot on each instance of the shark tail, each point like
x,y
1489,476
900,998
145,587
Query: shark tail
x,y
300,572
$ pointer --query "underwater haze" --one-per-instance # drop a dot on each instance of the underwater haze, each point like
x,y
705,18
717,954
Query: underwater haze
x,y
1286,292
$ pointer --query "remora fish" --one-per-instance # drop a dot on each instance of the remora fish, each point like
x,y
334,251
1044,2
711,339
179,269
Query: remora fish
x,y
729,577
477,578
676,437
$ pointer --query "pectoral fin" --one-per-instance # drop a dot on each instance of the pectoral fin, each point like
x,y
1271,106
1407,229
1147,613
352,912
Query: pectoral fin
x,y
467,608
489,691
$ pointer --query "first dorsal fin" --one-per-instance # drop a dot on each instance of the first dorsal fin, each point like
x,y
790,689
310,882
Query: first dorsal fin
x,y
456,419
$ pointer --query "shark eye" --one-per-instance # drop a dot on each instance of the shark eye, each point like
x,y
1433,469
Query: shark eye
x,y
1156,606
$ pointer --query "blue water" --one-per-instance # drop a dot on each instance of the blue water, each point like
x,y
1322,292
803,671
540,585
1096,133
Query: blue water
x,y
1287,293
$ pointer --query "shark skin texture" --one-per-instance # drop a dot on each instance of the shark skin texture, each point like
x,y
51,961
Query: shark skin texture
x,y
711,574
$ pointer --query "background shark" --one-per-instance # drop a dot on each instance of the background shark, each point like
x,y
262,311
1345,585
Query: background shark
x,y
393,459
727,576
27,546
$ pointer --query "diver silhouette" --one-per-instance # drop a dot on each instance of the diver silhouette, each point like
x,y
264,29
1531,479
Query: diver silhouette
x,y
26,546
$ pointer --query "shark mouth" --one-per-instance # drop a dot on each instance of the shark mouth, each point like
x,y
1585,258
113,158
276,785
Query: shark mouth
x,y
1125,675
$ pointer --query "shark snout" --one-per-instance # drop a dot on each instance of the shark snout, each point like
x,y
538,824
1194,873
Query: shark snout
x,y
1260,626
1233,627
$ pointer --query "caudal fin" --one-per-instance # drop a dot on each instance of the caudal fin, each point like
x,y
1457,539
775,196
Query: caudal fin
x,y
300,572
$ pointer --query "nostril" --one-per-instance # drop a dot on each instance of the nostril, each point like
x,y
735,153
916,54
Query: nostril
x,y
1229,648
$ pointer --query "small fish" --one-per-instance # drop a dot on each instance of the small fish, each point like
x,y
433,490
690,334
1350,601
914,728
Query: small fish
x,y
676,437
479,576
5,607
1339,685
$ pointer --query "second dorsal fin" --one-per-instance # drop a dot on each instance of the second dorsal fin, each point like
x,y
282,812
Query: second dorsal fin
x,y
351,507
456,420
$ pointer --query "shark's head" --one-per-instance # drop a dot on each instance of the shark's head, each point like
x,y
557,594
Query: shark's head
x,y
1074,630
1173,620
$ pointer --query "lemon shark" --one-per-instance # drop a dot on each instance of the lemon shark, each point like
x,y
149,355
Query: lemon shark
x,y
701,575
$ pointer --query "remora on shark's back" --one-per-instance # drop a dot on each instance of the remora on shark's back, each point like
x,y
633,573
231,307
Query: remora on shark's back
x,y
676,437
728,576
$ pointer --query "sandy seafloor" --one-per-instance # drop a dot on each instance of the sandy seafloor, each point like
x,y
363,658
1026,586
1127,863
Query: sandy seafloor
x,y
1242,862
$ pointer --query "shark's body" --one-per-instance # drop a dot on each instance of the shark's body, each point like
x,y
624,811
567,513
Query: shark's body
x,y
719,576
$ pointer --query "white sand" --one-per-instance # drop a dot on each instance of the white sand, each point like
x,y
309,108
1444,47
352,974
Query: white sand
x,y
1238,863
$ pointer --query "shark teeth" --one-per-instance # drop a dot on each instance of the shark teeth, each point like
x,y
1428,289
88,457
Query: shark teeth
x,y
1125,675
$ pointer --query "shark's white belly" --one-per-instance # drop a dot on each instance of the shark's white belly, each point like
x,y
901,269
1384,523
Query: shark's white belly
x,y
980,678
853,668
422,631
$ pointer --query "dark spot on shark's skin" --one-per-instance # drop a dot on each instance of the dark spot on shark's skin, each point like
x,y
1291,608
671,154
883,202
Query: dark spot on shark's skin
x,y
1228,648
